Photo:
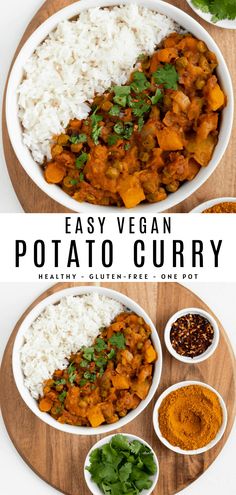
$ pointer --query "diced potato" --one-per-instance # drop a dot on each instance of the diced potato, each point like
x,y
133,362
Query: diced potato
x,y
120,382
169,139
216,98
150,354
95,416
141,389
131,191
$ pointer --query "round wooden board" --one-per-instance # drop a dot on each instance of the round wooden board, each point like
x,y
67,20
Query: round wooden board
x,y
58,458
221,183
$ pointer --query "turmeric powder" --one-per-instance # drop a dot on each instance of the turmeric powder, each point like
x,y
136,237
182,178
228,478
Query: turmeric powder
x,y
226,207
190,417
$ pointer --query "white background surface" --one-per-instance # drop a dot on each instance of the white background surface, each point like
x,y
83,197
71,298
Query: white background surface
x,y
219,479
15,474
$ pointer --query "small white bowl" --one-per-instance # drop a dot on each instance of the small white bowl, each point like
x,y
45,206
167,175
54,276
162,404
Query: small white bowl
x,y
211,348
224,23
19,377
35,172
217,438
94,488
212,202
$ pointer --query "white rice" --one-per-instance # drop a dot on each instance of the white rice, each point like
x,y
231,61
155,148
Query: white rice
x,y
78,60
60,330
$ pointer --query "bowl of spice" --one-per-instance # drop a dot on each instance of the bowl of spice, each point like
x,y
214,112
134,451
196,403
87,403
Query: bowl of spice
x,y
190,417
191,335
217,205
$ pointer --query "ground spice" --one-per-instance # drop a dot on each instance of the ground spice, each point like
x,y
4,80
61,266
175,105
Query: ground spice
x,y
227,207
190,417
191,335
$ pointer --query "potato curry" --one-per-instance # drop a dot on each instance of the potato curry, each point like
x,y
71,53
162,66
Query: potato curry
x,y
105,381
144,139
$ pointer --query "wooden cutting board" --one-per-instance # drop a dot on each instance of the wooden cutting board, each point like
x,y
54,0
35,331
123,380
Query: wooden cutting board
x,y
58,457
221,183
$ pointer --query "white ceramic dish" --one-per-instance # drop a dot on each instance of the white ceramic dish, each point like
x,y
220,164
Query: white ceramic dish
x,y
34,170
225,23
19,378
94,488
212,202
220,433
211,348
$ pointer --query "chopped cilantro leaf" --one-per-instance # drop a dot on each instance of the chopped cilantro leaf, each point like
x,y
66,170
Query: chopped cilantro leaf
x,y
84,363
112,139
140,123
81,176
121,90
100,362
62,396
157,97
111,354
100,344
80,138
62,381
74,182
167,76
114,111
126,146
140,82
81,160
219,9
90,376
88,353
83,382
118,340
71,368
72,377
96,129
118,128
120,100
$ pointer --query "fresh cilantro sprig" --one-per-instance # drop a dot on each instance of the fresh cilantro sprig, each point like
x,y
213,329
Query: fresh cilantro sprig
x,y
118,340
121,466
96,129
219,9
167,76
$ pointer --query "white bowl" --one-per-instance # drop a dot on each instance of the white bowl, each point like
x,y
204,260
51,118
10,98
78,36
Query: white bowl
x,y
177,449
212,202
224,23
94,488
205,355
18,374
15,130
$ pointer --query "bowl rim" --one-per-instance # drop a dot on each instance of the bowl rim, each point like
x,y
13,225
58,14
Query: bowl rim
x,y
212,202
15,130
219,434
209,351
31,403
92,485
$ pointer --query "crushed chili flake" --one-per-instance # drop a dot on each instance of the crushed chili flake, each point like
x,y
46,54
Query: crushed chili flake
x,y
191,335
226,207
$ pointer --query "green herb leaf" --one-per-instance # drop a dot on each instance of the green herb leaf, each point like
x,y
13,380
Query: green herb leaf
x,y
83,382
88,353
119,128
118,340
80,138
140,82
72,377
74,182
62,381
81,160
96,129
125,471
112,139
100,362
90,376
81,176
84,363
167,76
71,368
111,354
126,146
114,111
100,344
220,9
62,396
121,90
157,97
140,123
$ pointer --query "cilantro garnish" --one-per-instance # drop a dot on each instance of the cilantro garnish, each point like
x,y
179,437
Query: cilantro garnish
x,y
140,123
219,9
114,111
62,381
81,160
88,353
96,129
118,340
122,467
91,377
80,138
74,182
81,176
62,396
100,344
112,139
140,82
124,130
167,76
111,354
121,94
100,362
119,128
157,97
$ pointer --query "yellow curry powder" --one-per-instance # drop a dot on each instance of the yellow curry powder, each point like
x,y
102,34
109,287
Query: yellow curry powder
x,y
190,417
226,207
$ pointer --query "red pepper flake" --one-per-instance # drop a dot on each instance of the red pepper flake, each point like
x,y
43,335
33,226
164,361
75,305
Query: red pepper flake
x,y
191,335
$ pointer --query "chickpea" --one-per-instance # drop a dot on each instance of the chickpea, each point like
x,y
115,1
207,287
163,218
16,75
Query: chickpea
x,y
173,186
76,148
112,173
181,62
139,345
201,47
200,83
82,403
59,388
106,106
63,139
144,156
56,150
149,142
